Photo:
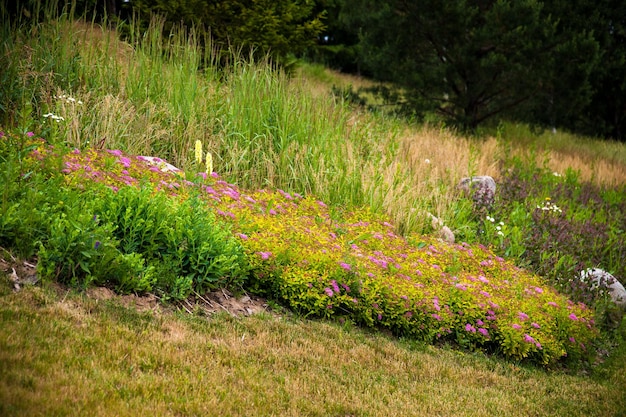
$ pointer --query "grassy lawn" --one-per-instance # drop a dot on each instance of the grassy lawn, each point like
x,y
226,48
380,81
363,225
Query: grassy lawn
x,y
62,353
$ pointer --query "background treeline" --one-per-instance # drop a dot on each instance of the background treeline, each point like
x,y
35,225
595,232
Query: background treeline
x,y
550,64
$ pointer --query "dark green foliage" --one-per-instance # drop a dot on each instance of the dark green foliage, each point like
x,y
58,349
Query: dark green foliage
x,y
550,63
469,61
277,28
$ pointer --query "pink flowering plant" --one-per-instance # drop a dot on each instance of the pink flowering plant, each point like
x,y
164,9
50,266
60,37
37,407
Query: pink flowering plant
x,y
353,265
329,262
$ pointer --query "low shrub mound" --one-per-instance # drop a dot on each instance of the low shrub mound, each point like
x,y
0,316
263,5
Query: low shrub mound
x,y
179,235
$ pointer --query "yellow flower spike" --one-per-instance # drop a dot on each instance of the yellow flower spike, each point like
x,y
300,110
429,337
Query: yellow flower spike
x,y
198,152
209,163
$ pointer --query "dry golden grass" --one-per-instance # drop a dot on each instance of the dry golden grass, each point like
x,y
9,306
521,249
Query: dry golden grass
x,y
597,170
65,354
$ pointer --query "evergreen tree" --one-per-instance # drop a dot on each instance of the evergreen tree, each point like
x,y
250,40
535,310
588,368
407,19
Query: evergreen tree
x,y
468,59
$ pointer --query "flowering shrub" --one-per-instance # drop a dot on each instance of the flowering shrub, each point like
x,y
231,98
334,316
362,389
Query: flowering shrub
x,y
354,266
321,261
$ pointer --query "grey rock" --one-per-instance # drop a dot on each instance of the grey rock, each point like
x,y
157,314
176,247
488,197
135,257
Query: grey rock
x,y
599,278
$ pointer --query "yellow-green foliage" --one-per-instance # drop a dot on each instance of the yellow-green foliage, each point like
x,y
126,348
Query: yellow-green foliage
x,y
325,262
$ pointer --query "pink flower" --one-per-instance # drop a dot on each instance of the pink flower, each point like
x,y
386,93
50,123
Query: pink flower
x,y
573,317
535,325
30,134
124,161
485,293
461,287
571,339
479,322
522,316
408,314
470,328
328,292
345,266
436,316
517,326
333,283
538,290
241,235
553,304
265,255
528,338
115,152
484,332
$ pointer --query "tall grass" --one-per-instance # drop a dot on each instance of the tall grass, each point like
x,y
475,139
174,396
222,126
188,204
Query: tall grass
x,y
156,94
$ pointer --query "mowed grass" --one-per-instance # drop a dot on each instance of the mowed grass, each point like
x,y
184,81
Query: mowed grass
x,y
62,353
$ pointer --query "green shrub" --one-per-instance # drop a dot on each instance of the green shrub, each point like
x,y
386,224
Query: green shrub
x,y
182,237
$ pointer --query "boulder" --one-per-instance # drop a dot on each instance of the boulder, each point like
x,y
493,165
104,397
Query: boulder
x,y
599,278
162,164
481,188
